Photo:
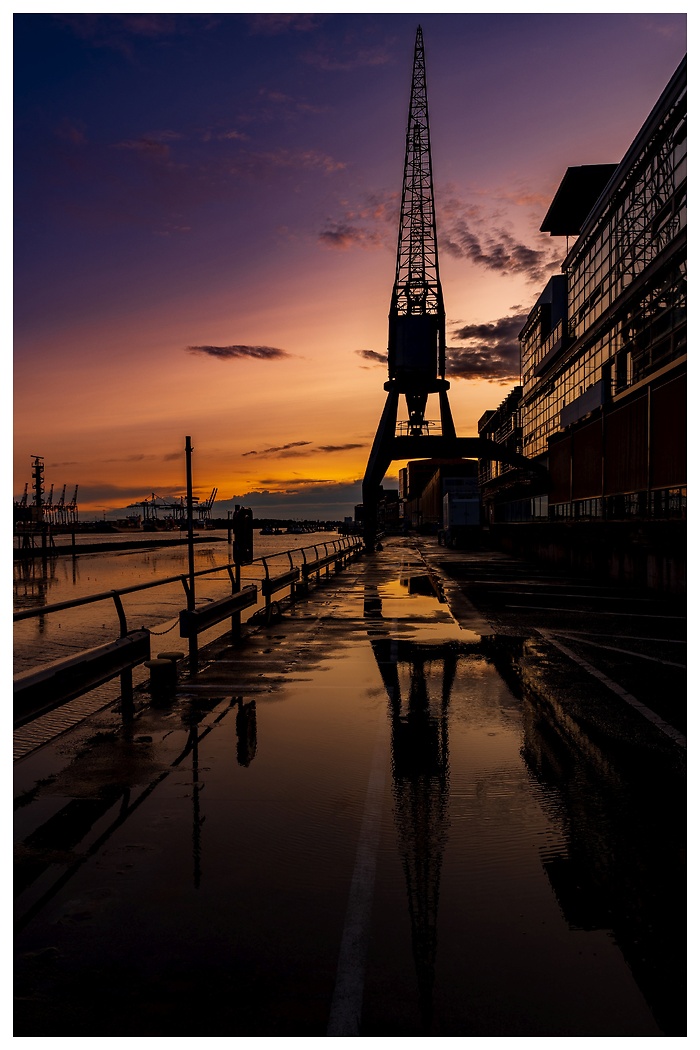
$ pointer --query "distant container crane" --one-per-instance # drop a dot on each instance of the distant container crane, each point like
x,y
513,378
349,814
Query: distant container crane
x,y
150,507
204,509
175,512
72,508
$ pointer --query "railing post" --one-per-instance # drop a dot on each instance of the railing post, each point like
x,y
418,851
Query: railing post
x,y
235,586
126,678
292,586
268,596
190,552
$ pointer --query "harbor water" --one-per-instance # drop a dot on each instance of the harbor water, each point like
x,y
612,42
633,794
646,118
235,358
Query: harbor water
x,y
61,577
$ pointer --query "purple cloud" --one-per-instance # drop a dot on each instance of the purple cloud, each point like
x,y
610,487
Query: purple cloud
x,y
373,356
277,449
338,448
493,352
274,24
237,351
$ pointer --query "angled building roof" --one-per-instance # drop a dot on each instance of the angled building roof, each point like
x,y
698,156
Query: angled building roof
x,y
578,191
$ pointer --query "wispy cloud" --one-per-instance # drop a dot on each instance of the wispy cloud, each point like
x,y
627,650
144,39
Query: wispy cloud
x,y
484,236
121,32
667,30
297,449
297,483
347,55
499,250
343,236
373,356
147,146
168,228
254,164
370,223
137,457
238,352
231,135
274,24
492,353
339,448
275,449
279,104
73,131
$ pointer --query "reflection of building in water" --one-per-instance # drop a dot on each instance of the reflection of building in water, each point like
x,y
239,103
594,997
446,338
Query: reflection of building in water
x,y
32,579
418,679
623,869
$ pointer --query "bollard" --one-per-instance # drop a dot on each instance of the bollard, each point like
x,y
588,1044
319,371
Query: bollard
x,y
171,654
163,675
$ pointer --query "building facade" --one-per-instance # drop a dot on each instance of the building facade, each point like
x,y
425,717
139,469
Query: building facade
x,y
603,351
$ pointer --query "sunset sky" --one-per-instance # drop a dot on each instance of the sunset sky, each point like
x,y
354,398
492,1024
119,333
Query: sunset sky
x,y
206,215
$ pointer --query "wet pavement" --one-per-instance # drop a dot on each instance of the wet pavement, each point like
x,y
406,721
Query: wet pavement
x,y
394,811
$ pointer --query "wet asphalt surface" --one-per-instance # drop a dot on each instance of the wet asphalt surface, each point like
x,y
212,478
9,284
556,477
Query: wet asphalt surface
x,y
633,638
408,806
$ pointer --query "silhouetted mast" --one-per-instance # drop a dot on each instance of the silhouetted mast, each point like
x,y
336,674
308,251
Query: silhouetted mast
x,y
417,312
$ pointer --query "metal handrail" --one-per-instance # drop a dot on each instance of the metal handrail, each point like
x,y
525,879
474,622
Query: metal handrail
x,y
37,692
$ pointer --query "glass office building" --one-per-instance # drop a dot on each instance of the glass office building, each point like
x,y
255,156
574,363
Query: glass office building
x,y
603,351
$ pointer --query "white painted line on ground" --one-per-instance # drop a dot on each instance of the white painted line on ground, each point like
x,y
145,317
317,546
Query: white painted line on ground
x,y
615,649
346,1007
647,713
628,637
588,597
577,612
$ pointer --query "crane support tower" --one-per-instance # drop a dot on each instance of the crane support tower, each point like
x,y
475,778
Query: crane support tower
x,y
417,327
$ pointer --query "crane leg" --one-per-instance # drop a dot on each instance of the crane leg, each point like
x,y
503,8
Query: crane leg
x,y
379,459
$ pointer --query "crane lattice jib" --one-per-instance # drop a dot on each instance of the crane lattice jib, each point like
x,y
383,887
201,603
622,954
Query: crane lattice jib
x,y
417,288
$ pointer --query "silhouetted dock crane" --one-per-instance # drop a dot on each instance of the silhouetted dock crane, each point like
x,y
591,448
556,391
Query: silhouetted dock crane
x,y
38,472
60,513
150,508
204,509
73,507
417,326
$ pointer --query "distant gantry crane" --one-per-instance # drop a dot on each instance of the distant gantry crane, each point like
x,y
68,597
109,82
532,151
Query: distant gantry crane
x,y
204,509
175,511
150,506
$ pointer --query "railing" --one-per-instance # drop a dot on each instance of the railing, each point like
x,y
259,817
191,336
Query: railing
x,y
430,427
39,691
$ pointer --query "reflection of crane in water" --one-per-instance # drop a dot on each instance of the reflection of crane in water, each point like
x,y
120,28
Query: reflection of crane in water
x,y
420,768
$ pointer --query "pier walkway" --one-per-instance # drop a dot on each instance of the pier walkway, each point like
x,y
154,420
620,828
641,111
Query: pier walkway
x,y
392,811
